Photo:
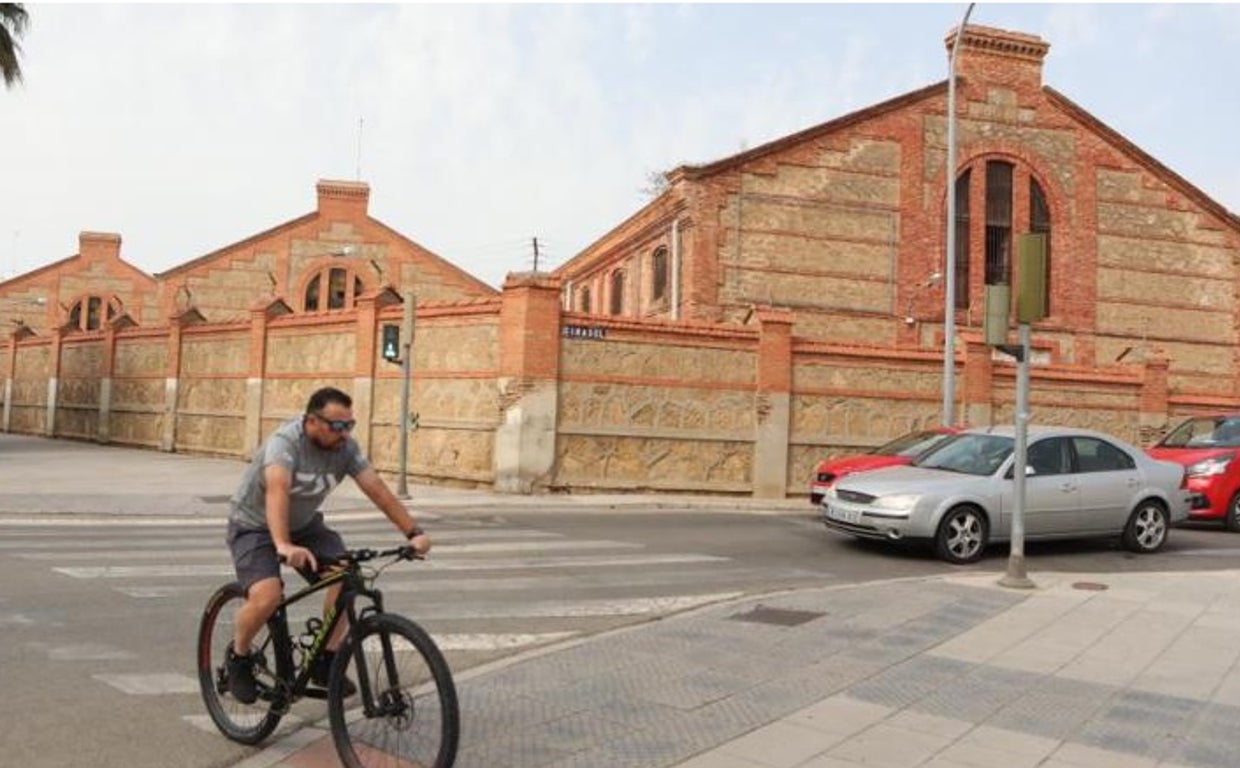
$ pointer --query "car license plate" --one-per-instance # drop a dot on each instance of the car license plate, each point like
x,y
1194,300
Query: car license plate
x,y
851,516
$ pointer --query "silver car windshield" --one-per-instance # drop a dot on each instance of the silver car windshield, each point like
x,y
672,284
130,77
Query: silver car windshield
x,y
969,454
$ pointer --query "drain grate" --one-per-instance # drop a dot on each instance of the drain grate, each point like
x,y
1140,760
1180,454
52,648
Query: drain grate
x,y
780,617
1089,586
214,499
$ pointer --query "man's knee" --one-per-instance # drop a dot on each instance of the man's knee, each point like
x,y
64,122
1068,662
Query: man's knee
x,y
266,594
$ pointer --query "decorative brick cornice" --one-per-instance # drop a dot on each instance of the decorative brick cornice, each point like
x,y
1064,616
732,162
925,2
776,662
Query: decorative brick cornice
x,y
343,190
1001,42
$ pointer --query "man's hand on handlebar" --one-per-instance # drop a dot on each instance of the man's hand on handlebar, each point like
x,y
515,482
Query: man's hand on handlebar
x,y
297,557
421,544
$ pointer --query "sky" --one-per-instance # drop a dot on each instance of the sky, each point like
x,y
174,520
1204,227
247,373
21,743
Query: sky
x,y
186,128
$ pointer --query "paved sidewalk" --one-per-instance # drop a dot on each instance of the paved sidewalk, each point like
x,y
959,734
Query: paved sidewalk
x,y
1083,672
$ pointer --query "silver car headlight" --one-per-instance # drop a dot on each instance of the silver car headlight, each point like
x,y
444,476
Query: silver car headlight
x,y
1209,467
896,503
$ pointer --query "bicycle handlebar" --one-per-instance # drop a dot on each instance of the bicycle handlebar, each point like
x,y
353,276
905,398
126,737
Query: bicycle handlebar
x,y
355,556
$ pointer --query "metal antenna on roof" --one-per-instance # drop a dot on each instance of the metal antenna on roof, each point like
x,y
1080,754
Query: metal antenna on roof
x,y
357,176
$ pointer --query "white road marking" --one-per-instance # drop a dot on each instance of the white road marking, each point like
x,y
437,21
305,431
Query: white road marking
x,y
565,562
205,723
640,606
88,652
464,564
496,642
221,553
384,536
151,684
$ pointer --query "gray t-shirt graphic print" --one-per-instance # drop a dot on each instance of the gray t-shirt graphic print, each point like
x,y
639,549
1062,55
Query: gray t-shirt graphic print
x,y
315,473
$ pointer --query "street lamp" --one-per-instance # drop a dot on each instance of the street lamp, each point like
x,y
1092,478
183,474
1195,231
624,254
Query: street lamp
x,y
949,297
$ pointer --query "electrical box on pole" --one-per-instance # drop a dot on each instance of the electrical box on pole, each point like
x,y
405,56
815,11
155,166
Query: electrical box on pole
x,y
1031,279
998,309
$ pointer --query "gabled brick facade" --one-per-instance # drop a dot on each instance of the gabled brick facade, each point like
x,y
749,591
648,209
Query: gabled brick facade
x,y
844,224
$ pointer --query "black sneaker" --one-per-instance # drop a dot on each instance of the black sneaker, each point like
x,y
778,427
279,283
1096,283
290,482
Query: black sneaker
x,y
241,682
321,673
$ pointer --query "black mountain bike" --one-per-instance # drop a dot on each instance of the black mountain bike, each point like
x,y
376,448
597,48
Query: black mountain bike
x,y
405,706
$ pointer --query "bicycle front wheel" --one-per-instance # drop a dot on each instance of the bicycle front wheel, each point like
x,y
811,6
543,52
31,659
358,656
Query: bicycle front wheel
x,y
405,708
244,723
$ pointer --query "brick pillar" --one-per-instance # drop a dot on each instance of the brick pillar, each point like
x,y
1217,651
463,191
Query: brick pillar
x,y
255,372
103,429
10,373
979,375
172,381
529,369
1154,408
53,380
773,403
172,375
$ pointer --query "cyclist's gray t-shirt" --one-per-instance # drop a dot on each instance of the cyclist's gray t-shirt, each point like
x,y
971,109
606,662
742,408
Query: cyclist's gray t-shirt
x,y
315,472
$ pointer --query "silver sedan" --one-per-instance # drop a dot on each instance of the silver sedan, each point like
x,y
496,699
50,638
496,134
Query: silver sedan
x,y
959,496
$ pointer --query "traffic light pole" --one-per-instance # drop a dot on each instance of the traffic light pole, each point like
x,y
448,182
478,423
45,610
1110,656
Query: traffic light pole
x,y
406,367
1016,577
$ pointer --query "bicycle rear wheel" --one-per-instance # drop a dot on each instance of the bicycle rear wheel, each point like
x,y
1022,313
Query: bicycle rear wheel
x,y
406,710
244,723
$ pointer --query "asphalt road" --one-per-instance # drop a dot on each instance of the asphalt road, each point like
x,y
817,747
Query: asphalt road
x,y
98,621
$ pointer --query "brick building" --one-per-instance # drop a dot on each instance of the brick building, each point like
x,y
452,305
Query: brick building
x,y
767,310
843,223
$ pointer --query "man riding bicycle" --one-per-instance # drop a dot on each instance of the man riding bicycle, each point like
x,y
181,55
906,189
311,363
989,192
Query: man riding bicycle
x,y
275,516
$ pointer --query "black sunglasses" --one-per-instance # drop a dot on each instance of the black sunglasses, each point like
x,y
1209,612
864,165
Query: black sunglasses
x,y
335,425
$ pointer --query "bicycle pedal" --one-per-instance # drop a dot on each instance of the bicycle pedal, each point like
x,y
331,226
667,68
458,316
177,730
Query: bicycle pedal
x,y
314,692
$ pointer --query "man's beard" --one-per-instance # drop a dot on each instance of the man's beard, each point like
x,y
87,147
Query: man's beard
x,y
326,446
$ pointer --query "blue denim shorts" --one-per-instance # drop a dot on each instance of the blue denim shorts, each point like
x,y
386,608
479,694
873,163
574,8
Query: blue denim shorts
x,y
254,553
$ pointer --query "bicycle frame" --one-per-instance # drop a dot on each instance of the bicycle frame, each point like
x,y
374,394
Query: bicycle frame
x,y
352,587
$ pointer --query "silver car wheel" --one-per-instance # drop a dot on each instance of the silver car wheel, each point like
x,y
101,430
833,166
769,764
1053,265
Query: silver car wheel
x,y
1147,528
962,536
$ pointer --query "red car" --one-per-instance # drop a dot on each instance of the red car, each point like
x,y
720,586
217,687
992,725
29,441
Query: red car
x,y
902,450
1207,447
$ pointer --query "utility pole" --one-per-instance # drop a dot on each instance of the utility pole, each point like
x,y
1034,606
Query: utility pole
x,y
406,369
535,254
949,272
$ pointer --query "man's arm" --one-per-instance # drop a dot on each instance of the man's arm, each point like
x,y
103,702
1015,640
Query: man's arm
x,y
278,481
377,491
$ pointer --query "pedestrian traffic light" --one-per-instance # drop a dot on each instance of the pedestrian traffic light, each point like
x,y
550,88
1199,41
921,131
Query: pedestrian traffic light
x,y
1031,279
391,343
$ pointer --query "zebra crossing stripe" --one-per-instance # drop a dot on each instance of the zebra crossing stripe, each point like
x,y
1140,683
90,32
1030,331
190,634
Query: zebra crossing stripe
x,y
495,642
463,564
151,684
221,553
559,609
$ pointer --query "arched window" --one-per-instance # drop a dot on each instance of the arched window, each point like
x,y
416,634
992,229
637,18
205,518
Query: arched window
x,y
89,313
994,237
617,292
333,288
998,222
962,239
1040,224
658,274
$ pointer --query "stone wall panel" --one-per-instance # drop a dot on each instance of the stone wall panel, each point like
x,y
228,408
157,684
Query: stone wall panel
x,y
327,351
214,355
212,435
594,359
637,408
636,463
138,357
1140,321
82,359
